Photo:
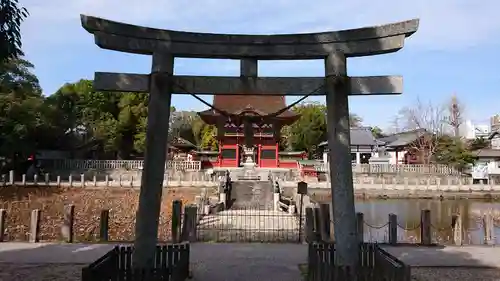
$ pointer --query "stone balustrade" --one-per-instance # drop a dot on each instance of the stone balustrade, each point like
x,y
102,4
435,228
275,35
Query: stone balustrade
x,y
200,179
426,183
84,164
127,180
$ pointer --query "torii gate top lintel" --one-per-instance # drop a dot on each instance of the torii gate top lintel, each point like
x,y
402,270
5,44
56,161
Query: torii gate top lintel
x,y
249,49
364,41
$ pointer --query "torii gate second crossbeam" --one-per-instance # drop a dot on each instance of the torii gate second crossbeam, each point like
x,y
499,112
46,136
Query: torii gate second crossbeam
x,y
164,45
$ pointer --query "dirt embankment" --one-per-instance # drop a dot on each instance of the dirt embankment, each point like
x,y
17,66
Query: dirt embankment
x,y
121,203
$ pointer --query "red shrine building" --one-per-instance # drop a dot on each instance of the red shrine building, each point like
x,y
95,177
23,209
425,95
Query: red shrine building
x,y
257,142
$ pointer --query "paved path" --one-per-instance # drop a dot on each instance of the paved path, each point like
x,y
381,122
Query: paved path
x,y
247,261
472,256
21,252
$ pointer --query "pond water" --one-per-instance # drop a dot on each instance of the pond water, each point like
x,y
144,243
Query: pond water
x,y
376,213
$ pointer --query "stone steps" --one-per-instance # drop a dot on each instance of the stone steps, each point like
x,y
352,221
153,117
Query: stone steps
x,y
252,195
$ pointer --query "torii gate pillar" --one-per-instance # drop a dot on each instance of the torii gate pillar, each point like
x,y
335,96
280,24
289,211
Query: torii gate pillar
x,y
164,45
341,185
155,155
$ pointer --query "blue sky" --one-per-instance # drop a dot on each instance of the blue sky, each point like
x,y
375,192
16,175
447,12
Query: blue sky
x,y
454,51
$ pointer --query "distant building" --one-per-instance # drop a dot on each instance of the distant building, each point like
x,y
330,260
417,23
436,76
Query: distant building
x,y
400,149
489,158
363,146
471,130
234,149
495,123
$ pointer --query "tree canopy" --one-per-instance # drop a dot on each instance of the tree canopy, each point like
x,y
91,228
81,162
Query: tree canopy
x,y
311,128
451,151
24,119
114,124
10,29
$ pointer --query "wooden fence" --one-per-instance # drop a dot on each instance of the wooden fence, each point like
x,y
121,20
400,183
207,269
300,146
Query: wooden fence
x,y
374,264
171,264
81,164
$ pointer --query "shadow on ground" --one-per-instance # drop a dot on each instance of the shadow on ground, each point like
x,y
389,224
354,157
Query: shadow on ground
x,y
261,261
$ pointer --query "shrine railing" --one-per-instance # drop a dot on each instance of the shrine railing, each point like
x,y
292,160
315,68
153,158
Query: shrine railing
x,y
184,165
82,164
395,169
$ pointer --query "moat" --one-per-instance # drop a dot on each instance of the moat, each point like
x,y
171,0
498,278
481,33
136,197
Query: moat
x,y
376,212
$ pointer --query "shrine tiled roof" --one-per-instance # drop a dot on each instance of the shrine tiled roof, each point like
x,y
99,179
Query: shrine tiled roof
x,y
180,142
359,136
403,138
235,104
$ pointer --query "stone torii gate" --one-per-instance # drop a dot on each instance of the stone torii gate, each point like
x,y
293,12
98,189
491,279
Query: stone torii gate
x,y
164,45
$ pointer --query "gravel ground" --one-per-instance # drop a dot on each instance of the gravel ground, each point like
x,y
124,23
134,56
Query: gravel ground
x,y
40,272
450,273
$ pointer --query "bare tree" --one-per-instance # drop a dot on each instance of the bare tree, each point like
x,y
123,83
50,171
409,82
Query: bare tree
x,y
428,122
455,112
395,125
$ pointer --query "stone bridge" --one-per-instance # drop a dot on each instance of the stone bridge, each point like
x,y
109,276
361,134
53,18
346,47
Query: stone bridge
x,y
250,217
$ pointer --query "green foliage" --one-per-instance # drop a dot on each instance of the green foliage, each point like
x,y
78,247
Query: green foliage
x,y
311,128
116,120
285,140
203,135
116,123
16,77
181,125
377,132
208,139
478,143
24,120
10,36
197,126
307,132
140,136
452,151
76,116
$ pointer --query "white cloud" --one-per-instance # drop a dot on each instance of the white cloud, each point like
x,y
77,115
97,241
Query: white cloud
x,y
445,24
